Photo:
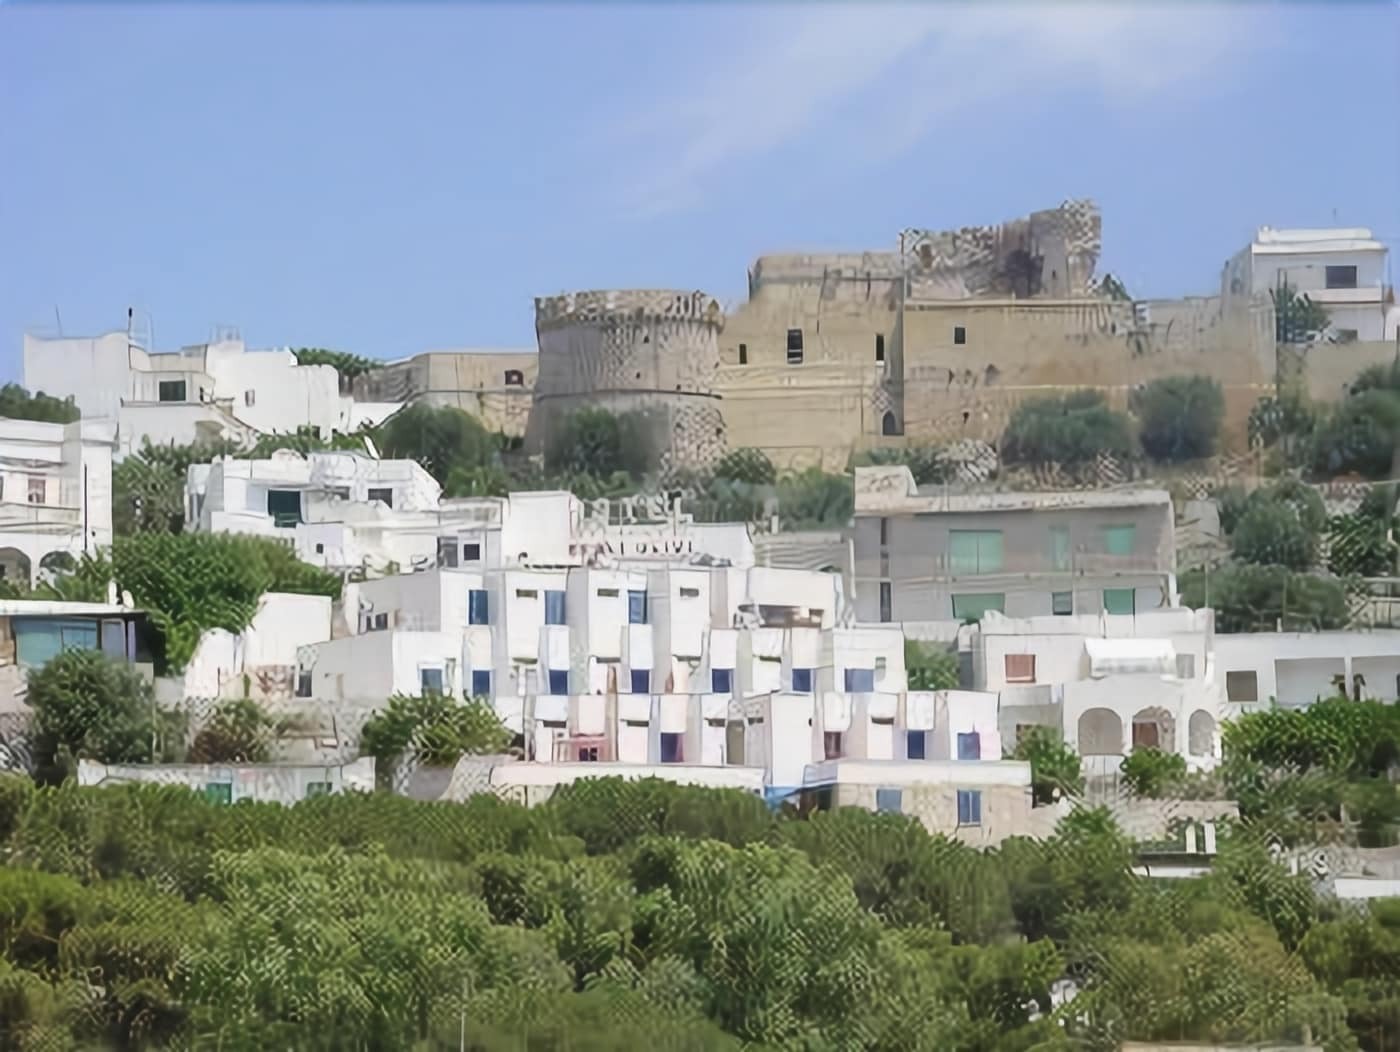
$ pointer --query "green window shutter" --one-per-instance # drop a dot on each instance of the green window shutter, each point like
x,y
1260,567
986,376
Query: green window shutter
x,y
974,551
972,607
1059,547
1118,540
219,792
1119,601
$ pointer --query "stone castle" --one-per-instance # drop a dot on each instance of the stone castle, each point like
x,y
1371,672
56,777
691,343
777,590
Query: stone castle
x,y
933,341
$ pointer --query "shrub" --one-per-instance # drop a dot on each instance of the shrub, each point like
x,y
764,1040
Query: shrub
x,y
1151,772
1067,429
1179,417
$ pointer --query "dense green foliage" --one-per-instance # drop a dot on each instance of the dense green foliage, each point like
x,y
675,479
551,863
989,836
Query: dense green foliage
x,y
237,731
436,729
1297,317
1056,769
1367,541
1361,434
1249,598
441,439
16,403
599,443
1269,533
1179,417
1071,429
643,915
1152,772
927,464
930,667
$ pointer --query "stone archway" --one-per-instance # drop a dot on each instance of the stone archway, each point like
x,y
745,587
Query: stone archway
x,y
15,567
1154,728
1100,733
1200,734
888,424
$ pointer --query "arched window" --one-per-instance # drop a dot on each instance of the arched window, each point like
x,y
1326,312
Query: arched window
x,y
888,425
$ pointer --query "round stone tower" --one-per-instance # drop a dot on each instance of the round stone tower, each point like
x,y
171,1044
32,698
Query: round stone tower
x,y
654,353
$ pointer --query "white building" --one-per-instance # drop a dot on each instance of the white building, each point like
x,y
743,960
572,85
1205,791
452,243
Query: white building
x,y
214,390
1343,269
230,783
55,494
1294,669
1106,683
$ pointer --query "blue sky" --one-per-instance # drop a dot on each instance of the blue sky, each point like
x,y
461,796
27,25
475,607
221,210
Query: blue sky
x,y
386,180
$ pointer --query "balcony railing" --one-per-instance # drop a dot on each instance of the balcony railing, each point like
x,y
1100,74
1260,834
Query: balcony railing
x,y
1029,564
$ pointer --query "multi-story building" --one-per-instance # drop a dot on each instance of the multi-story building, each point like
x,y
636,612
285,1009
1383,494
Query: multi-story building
x,y
1342,269
55,494
217,390
930,556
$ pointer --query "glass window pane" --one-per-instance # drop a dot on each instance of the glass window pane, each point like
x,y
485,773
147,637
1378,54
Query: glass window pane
x,y
1059,547
481,683
553,607
889,801
1118,601
636,608
971,607
916,745
969,746
802,680
1118,540
641,681
962,551
477,609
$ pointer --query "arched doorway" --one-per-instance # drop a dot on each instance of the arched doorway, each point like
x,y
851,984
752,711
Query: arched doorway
x,y
888,424
1200,734
1100,733
15,567
1154,728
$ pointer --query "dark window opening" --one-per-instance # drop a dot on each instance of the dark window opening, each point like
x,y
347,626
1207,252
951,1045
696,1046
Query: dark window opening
x,y
284,505
384,496
447,552
879,346
888,425
471,553
886,602
1341,277
959,334
794,347
171,391
743,354
515,378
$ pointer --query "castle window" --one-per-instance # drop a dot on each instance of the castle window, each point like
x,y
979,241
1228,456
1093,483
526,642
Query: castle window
x,y
959,334
743,354
515,378
794,347
879,346
888,426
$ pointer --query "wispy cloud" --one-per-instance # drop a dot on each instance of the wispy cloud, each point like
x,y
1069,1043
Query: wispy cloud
x,y
904,69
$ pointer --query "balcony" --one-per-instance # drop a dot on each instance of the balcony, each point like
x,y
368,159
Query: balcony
x,y
1034,564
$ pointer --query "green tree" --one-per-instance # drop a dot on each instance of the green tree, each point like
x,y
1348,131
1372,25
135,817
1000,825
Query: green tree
x,y
1056,769
347,365
600,443
436,729
1297,317
1285,420
1281,525
930,667
1179,417
1250,598
441,439
238,731
87,706
1152,772
1071,429
1365,542
18,404
746,465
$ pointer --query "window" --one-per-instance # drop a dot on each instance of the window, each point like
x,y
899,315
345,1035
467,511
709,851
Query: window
x,y
636,607
588,754
38,489
558,681
916,744
471,553
969,807
249,397
879,346
1186,666
303,683
284,505
170,391
970,746
430,680
1242,686
860,680
974,551
478,607
607,593
1347,335
971,607
553,607
1341,277
1118,540
794,347
379,621
690,593
2,487
884,532
515,378
671,747
447,552
802,681
1062,603
886,601
320,548
833,744
481,682
1019,668
219,792
1119,601
959,335
385,495
743,354
1059,547
317,789
889,801
526,593
641,681
721,680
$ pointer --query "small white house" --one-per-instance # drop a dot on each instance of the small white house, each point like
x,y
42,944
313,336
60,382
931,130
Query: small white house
x,y
1294,669
230,783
